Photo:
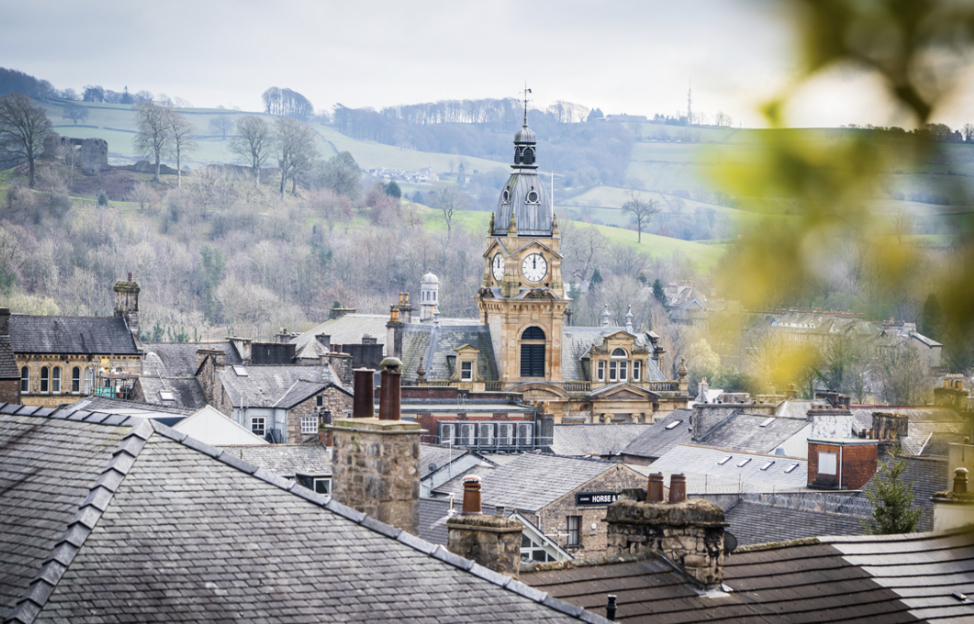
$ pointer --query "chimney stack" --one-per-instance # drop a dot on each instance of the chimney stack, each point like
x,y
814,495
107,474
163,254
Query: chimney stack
x,y
688,533
492,541
954,508
376,460
127,303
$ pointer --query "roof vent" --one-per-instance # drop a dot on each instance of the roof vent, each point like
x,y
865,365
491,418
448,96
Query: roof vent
x,y
673,425
240,371
743,462
791,468
767,422
724,460
767,465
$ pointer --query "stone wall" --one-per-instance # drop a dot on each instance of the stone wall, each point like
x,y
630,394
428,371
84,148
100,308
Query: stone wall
x,y
375,469
94,156
9,391
211,385
333,400
492,541
554,517
689,534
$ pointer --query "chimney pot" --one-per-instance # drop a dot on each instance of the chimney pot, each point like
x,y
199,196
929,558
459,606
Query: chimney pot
x,y
471,496
678,488
363,401
610,608
654,493
130,277
960,481
390,390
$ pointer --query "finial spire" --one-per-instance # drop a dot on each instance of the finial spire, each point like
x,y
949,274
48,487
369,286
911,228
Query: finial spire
x,y
526,91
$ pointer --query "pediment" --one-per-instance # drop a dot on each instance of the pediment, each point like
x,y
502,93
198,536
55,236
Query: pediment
x,y
494,247
536,244
623,392
541,391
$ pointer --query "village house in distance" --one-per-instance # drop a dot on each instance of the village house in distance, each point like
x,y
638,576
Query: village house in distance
x,y
523,341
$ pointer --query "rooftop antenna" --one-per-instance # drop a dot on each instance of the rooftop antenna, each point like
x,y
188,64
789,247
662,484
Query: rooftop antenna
x,y
526,91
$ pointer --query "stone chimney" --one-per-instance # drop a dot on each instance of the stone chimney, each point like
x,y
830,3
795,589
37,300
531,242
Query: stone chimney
x,y
688,533
954,508
890,426
127,303
394,333
492,541
376,460
324,340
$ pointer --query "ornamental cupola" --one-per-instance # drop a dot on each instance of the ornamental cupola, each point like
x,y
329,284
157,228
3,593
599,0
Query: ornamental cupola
x,y
524,196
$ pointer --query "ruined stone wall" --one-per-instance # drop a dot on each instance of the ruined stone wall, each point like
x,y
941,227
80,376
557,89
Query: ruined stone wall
x,y
593,541
94,156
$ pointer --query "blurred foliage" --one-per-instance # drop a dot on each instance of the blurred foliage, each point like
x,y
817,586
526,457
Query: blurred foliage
x,y
918,49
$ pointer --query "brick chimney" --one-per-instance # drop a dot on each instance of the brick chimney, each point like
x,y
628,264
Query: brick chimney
x,y
492,541
841,464
688,533
376,460
127,303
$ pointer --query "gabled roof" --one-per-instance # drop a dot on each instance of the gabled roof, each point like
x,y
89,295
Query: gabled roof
x,y
661,436
76,335
877,579
531,481
185,391
286,460
299,392
443,341
588,440
618,390
213,427
433,514
110,519
266,386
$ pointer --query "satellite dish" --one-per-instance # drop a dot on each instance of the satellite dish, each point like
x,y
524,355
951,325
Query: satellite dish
x,y
730,542
432,467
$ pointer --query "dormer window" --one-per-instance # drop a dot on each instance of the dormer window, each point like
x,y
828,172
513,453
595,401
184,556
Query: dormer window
x,y
532,197
506,197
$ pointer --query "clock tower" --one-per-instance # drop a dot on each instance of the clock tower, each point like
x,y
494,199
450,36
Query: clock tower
x,y
522,297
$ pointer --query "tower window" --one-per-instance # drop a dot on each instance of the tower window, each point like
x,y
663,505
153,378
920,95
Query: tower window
x,y
24,380
527,158
76,379
533,333
506,196
532,360
56,380
619,353
636,369
45,379
533,197
601,370
466,371
613,371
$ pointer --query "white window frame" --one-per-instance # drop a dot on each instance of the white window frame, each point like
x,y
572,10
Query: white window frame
x,y
76,380
24,380
325,482
309,425
466,371
637,369
601,369
573,526
45,380
254,422
613,371
89,380
623,370
55,380
828,462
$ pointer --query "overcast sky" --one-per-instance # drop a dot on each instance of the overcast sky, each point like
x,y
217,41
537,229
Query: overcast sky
x,y
633,57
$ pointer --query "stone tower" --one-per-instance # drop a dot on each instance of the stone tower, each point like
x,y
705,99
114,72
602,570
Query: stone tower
x,y
127,303
522,297
429,292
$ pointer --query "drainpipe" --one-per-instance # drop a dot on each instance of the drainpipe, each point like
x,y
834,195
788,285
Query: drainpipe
x,y
840,466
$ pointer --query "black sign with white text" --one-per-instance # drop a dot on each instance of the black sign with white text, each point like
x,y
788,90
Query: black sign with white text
x,y
591,499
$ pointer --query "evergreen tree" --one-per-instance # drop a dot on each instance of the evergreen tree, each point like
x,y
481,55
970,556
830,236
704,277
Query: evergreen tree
x,y
461,175
892,499
932,318
392,190
596,278
658,292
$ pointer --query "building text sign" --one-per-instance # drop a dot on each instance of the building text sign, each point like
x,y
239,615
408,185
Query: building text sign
x,y
590,499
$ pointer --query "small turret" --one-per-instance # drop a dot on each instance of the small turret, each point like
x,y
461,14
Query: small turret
x,y
127,303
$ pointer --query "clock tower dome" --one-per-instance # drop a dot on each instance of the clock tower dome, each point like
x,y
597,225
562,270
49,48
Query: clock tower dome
x,y
522,297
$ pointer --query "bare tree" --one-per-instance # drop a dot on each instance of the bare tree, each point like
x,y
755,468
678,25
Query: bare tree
x,y
583,247
254,143
144,195
221,124
642,211
968,132
154,129
23,128
75,113
448,199
297,149
181,141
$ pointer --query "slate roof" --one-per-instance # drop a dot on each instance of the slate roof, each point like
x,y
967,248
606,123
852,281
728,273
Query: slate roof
x,y
797,408
76,335
433,514
602,440
877,579
125,407
439,455
415,345
533,219
757,523
179,359
286,460
265,386
576,342
8,362
443,341
704,460
186,392
743,432
531,481
657,439
348,329
128,520
298,392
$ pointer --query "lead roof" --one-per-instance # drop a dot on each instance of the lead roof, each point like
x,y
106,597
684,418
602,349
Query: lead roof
x,y
108,519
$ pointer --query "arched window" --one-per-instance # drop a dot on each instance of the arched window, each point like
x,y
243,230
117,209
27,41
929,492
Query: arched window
x,y
619,353
76,380
517,155
528,157
533,333
533,354
45,379
89,380
24,380
56,380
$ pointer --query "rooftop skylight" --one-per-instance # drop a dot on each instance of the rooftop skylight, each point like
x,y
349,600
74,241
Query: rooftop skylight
x,y
791,468
673,425
743,462
724,460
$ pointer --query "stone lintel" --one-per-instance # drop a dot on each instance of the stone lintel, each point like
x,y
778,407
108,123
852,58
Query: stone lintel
x,y
695,512
374,425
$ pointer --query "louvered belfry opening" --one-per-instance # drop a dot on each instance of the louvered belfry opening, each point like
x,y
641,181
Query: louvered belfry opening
x,y
533,352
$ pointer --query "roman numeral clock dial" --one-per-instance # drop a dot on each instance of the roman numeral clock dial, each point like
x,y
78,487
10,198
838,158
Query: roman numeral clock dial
x,y
497,267
534,268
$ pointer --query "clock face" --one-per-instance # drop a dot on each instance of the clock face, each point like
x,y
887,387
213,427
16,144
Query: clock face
x,y
534,268
497,267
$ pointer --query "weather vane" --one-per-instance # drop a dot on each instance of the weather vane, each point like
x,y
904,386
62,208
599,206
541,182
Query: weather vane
x,y
526,91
